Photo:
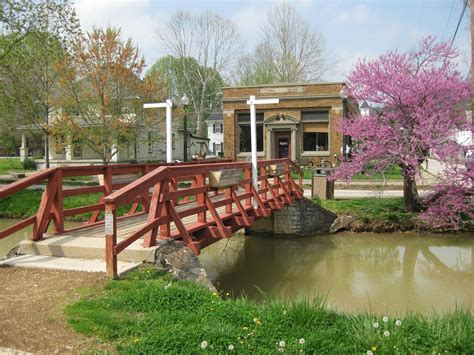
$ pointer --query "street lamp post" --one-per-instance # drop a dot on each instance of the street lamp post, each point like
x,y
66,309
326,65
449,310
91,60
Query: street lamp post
x,y
185,103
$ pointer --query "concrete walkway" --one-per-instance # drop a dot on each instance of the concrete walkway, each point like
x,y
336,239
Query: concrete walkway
x,y
63,263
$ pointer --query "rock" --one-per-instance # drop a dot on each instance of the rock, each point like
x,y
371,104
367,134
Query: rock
x,y
341,222
180,261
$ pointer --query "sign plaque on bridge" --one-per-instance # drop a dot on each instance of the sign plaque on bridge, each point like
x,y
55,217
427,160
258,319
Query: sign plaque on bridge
x,y
253,135
168,104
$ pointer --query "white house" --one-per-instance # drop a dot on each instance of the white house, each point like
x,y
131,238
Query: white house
x,y
149,146
215,132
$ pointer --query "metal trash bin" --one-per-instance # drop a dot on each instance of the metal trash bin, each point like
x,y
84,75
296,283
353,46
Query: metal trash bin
x,y
320,186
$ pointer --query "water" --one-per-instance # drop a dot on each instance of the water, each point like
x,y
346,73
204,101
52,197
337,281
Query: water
x,y
11,241
382,273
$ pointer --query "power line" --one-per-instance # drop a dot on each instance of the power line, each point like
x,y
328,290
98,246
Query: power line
x,y
449,18
459,21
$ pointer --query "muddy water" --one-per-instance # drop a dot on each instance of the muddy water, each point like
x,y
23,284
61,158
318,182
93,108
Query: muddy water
x,y
391,273
10,242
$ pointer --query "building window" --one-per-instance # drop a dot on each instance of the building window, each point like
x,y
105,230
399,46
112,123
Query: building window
x,y
76,148
60,143
244,132
217,128
150,143
315,131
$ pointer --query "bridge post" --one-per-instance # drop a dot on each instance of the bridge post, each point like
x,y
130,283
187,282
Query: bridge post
x,y
111,240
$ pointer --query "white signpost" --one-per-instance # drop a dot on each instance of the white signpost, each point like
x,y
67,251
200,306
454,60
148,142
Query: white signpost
x,y
168,104
253,135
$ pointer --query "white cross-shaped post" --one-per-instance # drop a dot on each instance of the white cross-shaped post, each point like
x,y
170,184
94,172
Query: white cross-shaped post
x,y
253,135
168,104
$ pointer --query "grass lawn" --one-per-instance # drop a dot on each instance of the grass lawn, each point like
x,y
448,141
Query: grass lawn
x,y
150,313
25,204
370,209
10,164
391,173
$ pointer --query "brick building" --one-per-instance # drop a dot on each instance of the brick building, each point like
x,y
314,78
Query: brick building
x,y
304,125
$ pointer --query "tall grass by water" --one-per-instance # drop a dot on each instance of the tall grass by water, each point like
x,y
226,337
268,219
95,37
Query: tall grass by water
x,y
147,312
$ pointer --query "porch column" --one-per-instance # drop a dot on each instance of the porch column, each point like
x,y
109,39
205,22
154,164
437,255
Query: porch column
x,y
68,151
293,144
269,144
23,148
115,157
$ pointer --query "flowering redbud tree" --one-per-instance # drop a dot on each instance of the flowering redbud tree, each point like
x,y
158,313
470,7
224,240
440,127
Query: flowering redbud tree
x,y
421,100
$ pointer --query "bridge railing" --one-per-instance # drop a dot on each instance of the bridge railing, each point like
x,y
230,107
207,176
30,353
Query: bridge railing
x,y
51,207
179,192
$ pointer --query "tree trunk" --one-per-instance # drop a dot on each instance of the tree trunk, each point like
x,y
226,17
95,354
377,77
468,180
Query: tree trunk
x,y
46,151
410,193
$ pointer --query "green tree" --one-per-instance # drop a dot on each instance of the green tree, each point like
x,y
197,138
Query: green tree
x,y
172,74
102,94
206,46
38,36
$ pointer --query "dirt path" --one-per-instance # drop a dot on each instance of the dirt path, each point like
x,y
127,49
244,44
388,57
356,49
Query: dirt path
x,y
31,309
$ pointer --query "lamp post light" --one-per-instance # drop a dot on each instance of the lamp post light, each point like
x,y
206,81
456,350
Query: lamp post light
x,y
185,103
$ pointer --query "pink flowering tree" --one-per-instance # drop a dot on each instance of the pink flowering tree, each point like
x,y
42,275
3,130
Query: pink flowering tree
x,y
421,100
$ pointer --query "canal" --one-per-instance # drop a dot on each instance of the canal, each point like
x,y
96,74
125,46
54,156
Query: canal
x,y
382,273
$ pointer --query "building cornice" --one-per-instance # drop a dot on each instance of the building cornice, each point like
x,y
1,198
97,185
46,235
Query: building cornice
x,y
282,98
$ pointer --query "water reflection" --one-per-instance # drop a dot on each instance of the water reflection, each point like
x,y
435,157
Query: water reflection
x,y
379,273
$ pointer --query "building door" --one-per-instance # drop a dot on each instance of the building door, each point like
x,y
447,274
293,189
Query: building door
x,y
282,145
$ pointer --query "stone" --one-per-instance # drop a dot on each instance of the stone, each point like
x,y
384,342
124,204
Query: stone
x,y
182,263
341,222
303,217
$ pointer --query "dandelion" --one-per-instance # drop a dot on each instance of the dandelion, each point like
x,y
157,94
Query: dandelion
x,y
282,344
227,294
369,352
136,340
214,294
245,328
301,341
282,350
386,333
376,325
204,345
385,319
398,323
374,348
230,347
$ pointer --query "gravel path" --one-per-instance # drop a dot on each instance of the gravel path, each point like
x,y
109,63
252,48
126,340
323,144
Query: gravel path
x,y
32,305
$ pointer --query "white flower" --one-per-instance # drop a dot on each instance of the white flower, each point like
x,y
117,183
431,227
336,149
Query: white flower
x,y
398,323
282,350
385,319
369,352
386,333
376,325
204,344
284,312
282,344
230,347
301,341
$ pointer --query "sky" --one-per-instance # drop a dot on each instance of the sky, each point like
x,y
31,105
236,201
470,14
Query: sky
x,y
352,29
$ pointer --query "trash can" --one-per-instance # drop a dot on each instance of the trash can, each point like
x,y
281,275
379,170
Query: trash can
x,y
320,186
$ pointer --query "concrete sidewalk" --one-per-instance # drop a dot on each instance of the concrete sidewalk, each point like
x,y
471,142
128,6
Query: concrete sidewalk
x,y
348,194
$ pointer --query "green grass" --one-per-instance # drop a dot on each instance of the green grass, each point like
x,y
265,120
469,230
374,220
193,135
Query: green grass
x,y
150,313
10,164
391,173
370,209
26,202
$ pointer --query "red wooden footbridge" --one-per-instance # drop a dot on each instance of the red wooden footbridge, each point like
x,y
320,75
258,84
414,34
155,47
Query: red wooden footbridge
x,y
197,203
